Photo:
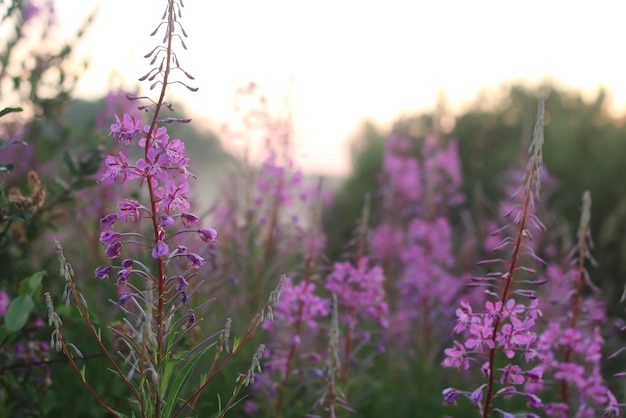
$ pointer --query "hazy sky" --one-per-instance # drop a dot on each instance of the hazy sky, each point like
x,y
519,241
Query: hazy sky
x,y
348,60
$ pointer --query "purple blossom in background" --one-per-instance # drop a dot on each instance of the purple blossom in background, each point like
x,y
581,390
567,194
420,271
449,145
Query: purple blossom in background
x,y
571,343
288,308
30,10
400,172
414,241
360,291
116,103
4,302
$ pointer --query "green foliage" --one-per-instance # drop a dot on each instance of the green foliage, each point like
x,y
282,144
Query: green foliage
x,y
21,307
367,158
585,153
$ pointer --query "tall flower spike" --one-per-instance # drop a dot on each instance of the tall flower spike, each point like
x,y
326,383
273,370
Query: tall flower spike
x,y
571,343
506,325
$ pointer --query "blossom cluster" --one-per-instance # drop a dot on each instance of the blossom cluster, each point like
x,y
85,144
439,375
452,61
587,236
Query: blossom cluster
x,y
164,169
505,325
415,240
360,291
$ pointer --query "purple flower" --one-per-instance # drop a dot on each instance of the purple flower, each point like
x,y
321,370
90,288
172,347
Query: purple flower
x,y
360,289
123,274
300,301
124,297
160,136
477,395
195,260
173,197
108,220
182,283
166,221
456,357
534,401
102,272
127,129
29,11
570,372
450,395
109,237
512,374
207,234
129,210
480,337
117,167
113,251
191,319
160,250
4,302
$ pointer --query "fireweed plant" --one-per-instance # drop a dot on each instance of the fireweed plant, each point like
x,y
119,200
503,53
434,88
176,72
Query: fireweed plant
x,y
570,345
270,221
324,325
153,359
504,333
414,243
263,232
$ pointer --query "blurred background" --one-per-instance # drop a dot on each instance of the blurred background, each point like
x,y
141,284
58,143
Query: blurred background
x,y
339,63
337,80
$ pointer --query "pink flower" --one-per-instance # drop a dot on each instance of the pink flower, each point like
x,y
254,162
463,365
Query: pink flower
x,y
570,372
456,357
117,167
189,219
129,210
127,129
465,317
480,337
360,290
173,197
195,260
512,374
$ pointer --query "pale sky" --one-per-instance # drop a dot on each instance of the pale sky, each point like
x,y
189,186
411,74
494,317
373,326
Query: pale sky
x,y
349,60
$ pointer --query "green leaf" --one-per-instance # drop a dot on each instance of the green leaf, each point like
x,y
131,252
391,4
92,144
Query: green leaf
x,y
8,110
31,285
84,183
69,162
236,342
18,313
91,164
62,183
184,369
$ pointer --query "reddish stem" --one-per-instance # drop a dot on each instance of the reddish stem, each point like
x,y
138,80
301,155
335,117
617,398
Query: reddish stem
x,y
507,285
580,269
